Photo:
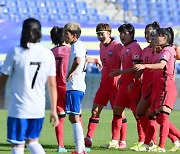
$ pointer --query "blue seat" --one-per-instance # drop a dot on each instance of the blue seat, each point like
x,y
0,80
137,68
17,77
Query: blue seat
x,y
83,18
104,18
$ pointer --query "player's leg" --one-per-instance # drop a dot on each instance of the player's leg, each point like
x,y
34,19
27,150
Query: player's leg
x,y
73,108
59,129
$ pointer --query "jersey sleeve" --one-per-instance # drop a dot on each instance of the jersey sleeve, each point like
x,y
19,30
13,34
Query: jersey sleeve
x,y
165,56
52,65
8,64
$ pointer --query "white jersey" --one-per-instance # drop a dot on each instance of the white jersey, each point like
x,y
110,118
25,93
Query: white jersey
x,y
77,82
28,70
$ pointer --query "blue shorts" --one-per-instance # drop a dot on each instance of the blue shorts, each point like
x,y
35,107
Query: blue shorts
x,y
19,130
73,101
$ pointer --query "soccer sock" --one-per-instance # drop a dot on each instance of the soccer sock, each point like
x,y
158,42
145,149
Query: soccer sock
x,y
173,138
60,130
141,133
93,124
78,137
123,130
173,130
144,121
151,129
17,150
35,147
116,126
163,120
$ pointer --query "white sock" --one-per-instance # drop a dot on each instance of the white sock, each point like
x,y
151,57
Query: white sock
x,y
176,143
78,137
35,148
17,150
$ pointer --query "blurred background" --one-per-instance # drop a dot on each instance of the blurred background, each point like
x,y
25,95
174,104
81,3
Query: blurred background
x,y
88,13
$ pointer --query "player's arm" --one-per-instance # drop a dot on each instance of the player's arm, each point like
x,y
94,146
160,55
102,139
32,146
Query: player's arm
x,y
75,64
53,99
126,71
156,66
94,60
3,80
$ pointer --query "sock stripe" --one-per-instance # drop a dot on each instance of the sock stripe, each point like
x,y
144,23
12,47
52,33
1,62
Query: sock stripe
x,y
94,120
61,115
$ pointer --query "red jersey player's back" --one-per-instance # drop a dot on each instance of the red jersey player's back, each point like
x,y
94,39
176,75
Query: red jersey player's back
x,y
61,54
110,57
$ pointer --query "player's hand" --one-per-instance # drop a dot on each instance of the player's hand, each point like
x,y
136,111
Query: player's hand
x,y
116,72
69,76
139,67
54,119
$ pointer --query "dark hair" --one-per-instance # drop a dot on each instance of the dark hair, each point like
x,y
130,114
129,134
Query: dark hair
x,y
166,32
57,35
31,32
103,27
129,27
155,25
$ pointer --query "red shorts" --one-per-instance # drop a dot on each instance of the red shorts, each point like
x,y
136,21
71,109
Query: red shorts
x,y
128,99
61,101
103,97
164,98
146,93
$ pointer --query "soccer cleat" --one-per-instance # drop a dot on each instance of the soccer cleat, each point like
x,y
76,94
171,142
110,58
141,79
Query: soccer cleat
x,y
122,145
88,142
158,149
136,146
112,144
175,148
74,152
142,148
87,149
60,149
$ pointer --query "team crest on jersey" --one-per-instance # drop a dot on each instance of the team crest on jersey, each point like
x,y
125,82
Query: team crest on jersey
x,y
127,50
110,53
136,56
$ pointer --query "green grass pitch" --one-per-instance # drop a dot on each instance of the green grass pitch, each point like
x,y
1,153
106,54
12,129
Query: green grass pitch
x,y
102,135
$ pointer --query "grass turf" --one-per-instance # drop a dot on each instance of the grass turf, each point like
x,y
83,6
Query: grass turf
x,y
102,134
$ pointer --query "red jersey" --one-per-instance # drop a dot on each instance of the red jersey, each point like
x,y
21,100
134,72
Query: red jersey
x,y
62,57
131,52
165,77
147,58
110,58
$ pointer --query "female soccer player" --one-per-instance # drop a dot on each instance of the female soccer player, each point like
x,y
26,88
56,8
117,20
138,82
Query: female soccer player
x,y
75,85
61,52
130,55
29,66
110,51
163,84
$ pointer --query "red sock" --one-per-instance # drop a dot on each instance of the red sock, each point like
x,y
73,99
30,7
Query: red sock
x,y
154,137
116,127
60,132
144,122
173,130
152,124
163,120
172,137
123,129
141,133
93,124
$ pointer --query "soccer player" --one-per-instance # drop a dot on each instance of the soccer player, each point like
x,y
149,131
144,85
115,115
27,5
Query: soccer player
x,y
163,85
110,51
29,66
126,98
61,52
75,85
